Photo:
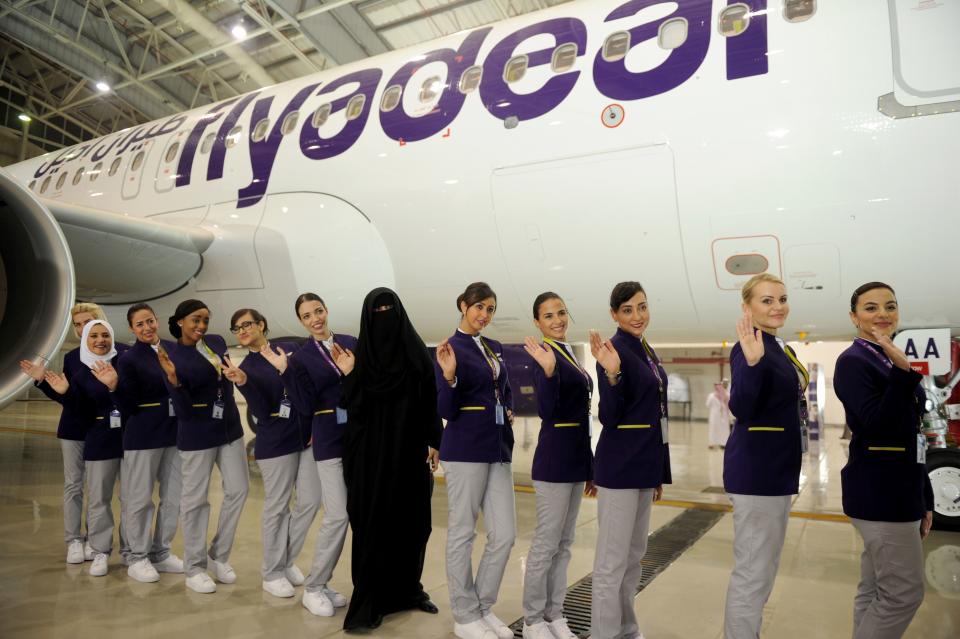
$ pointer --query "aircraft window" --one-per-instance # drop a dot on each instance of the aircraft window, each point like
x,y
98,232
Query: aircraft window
x,y
114,166
563,57
747,264
172,152
78,176
95,173
355,106
61,180
33,183
391,98
470,79
260,131
208,143
46,183
234,136
799,10
430,89
734,20
672,34
290,123
137,161
515,69
616,45
320,115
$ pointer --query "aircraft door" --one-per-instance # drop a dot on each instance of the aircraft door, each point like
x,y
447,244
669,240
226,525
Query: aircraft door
x,y
136,161
554,217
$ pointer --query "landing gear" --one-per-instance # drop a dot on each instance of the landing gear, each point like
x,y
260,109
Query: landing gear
x,y
943,466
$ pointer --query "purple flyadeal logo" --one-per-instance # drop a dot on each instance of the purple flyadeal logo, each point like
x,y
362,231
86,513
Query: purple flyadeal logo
x,y
746,56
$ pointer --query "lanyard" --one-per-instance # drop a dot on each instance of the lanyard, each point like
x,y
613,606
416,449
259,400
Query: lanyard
x,y
862,343
491,359
213,359
566,355
326,356
653,361
800,368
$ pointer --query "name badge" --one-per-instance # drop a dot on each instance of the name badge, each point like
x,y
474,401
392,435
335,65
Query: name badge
x,y
284,409
114,418
218,409
341,415
590,425
665,429
499,415
921,449
804,437
170,411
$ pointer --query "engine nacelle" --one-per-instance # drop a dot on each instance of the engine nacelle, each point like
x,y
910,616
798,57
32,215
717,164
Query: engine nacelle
x,y
36,284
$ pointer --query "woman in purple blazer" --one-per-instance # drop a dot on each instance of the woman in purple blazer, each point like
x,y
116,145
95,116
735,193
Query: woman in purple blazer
x,y
886,489
562,468
473,395
632,458
200,379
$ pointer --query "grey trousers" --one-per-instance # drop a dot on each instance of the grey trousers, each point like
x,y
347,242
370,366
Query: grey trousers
x,y
545,580
196,467
333,526
73,467
139,471
101,476
623,518
759,528
284,532
473,488
891,578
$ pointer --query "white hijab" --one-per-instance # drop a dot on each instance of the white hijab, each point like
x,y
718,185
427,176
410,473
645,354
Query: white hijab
x,y
87,356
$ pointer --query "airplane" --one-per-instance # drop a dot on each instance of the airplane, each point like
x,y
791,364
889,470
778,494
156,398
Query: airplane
x,y
687,145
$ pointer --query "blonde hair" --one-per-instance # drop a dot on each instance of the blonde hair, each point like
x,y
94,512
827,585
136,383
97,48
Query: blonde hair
x,y
88,307
747,291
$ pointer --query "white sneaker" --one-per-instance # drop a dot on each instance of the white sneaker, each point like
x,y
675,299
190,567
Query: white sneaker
x,y
88,552
474,630
338,600
75,552
143,571
293,575
539,630
223,571
201,582
172,564
279,587
318,603
498,627
99,566
560,629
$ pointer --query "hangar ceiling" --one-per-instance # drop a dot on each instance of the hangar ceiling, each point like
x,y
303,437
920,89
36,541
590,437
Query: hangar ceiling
x,y
159,57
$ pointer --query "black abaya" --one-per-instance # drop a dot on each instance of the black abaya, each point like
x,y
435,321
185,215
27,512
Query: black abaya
x,y
390,397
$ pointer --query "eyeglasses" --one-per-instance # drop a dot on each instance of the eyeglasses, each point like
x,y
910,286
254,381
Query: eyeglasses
x,y
242,326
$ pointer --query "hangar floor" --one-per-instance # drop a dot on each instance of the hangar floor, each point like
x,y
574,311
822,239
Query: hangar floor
x,y
41,596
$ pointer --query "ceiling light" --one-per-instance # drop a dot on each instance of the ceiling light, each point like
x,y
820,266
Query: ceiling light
x,y
23,117
102,86
239,32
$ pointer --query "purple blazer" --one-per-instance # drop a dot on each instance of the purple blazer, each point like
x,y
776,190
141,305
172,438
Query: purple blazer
x,y
763,452
92,403
882,480
563,402
264,392
472,434
70,426
144,400
631,452
314,386
194,399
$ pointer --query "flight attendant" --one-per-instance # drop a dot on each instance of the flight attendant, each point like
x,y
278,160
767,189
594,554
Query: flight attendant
x,y
632,459
313,380
200,379
283,453
71,433
90,394
150,454
718,408
761,465
886,489
562,468
473,395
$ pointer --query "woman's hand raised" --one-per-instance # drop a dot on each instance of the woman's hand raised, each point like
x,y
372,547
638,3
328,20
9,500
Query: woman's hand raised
x,y
447,360
897,356
751,339
343,358
106,374
278,359
33,371
233,373
606,355
542,354
169,369
57,381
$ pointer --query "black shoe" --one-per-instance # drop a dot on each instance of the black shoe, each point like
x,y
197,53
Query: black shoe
x,y
428,607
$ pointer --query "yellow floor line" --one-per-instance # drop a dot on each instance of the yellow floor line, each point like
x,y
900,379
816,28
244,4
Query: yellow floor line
x,y
520,488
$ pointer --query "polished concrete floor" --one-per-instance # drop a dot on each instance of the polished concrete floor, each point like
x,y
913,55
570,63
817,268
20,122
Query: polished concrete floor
x,y
41,596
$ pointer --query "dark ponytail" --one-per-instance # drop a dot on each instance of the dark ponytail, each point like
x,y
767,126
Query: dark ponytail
x,y
307,297
476,292
184,308
869,286
623,292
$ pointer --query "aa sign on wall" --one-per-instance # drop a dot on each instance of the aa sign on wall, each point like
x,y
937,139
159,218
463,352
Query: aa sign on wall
x,y
927,349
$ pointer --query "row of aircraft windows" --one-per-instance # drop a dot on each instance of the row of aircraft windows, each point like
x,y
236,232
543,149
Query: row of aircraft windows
x,y
732,21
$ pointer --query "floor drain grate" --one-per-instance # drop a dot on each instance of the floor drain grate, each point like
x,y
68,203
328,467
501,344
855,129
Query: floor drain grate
x,y
664,546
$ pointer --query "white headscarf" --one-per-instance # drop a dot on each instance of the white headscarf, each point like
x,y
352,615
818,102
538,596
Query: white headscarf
x,y
87,356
